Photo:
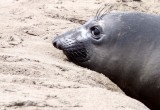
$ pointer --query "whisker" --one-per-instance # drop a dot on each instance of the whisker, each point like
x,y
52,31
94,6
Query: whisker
x,y
106,11
102,11
76,53
81,53
99,14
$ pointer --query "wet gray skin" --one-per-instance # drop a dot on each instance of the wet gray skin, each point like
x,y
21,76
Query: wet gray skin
x,y
124,47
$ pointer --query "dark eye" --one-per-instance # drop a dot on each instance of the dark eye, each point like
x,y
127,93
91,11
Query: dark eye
x,y
95,31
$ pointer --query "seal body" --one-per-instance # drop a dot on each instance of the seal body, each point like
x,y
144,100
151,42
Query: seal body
x,y
124,46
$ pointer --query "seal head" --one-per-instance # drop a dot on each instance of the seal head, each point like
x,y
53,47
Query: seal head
x,y
80,45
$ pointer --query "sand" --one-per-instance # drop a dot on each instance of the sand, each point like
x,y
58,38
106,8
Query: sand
x,y
36,76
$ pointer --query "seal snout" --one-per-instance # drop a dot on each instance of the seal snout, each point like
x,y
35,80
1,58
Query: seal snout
x,y
57,43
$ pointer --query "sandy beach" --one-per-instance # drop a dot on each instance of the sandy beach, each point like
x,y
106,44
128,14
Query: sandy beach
x,y
36,76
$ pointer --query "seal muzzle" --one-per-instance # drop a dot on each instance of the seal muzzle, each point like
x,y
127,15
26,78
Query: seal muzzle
x,y
74,50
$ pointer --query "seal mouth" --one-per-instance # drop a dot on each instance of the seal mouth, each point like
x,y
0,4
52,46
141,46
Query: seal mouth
x,y
77,53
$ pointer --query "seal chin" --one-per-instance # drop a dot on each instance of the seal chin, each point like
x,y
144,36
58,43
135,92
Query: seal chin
x,y
77,54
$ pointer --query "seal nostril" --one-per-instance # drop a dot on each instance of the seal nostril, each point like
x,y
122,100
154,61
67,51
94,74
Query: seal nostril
x,y
57,44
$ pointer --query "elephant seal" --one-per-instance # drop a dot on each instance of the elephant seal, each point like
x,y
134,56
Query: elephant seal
x,y
124,46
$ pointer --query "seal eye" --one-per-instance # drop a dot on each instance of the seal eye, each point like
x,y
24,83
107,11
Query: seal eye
x,y
95,31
